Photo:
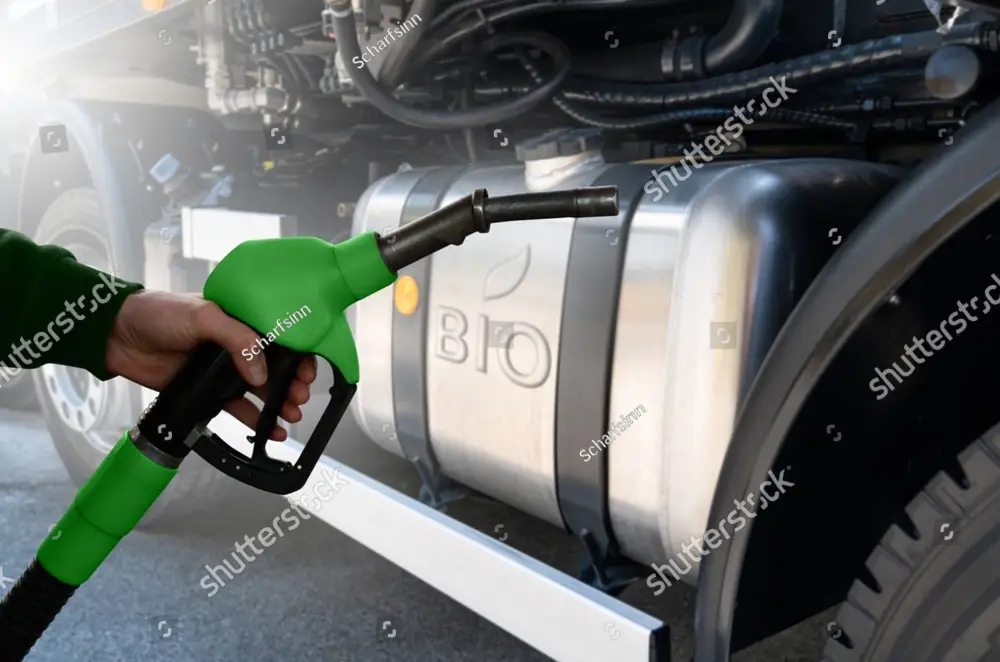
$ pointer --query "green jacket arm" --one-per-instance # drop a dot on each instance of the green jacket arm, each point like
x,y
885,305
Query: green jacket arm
x,y
56,309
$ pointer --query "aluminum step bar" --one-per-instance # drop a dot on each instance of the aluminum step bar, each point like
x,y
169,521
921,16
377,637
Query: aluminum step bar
x,y
554,613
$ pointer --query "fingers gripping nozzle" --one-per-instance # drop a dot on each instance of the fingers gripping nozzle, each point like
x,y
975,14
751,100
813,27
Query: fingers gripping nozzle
x,y
450,225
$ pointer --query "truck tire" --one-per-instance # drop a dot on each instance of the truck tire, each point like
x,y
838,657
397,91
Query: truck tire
x,y
86,416
19,394
939,596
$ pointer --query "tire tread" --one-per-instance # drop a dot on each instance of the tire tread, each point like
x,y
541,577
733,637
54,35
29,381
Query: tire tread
x,y
898,557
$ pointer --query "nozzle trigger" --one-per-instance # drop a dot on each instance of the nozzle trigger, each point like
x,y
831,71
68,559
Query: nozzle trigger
x,y
260,470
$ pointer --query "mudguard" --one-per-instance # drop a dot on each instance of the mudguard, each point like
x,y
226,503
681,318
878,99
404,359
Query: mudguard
x,y
111,148
947,192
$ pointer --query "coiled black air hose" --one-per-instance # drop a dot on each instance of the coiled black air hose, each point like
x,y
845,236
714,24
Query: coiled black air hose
x,y
848,60
445,40
346,34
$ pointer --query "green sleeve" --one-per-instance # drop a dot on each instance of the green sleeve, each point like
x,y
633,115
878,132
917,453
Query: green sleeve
x,y
56,310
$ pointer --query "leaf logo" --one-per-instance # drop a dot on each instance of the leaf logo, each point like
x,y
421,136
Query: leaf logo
x,y
507,276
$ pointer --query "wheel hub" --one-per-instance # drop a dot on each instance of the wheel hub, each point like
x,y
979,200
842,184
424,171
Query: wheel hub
x,y
96,410
79,398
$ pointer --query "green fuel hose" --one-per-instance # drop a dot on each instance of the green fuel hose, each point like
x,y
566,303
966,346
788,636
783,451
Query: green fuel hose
x,y
328,278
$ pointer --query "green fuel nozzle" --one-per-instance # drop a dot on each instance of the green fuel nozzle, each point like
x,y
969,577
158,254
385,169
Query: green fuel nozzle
x,y
450,225
293,291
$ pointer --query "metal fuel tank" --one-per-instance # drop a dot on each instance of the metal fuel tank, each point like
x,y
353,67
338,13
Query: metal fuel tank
x,y
709,265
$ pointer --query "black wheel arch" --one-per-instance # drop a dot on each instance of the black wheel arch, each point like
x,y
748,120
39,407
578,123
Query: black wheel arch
x,y
112,146
90,161
940,215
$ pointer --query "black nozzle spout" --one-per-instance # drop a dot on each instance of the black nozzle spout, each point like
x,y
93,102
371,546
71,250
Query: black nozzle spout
x,y
450,225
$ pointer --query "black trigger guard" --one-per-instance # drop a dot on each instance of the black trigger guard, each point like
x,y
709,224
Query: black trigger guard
x,y
261,470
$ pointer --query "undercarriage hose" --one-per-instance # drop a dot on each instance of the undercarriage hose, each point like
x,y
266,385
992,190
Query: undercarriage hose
x,y
817,67
752,26
346,35
681,116
750,29
779,115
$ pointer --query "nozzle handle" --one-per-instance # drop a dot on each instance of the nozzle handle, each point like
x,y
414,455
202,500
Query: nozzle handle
x,y
476,212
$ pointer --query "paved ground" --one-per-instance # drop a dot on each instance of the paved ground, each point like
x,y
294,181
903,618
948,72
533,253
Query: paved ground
x,y
315,596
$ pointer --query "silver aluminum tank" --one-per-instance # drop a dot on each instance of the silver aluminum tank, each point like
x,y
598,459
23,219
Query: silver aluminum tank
x,y
712,265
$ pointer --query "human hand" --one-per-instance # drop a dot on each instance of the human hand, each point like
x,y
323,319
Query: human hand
x,y
155,332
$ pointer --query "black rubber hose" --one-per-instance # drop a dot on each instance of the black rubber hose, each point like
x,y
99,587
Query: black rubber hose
x,y
28,608
464,6
347,39
751,27
440,42
397,59
817,67
779,115
782,115
445,38
460,8
638,63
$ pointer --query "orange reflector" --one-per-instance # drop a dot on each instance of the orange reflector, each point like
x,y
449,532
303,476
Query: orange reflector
x,y
154,5
406,295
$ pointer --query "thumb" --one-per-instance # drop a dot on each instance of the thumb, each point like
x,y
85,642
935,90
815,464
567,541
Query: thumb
x,y
212,324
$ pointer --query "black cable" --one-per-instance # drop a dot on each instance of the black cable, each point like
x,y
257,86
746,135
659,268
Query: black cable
x,y
346,35
303,67
848,60
466,100
287,69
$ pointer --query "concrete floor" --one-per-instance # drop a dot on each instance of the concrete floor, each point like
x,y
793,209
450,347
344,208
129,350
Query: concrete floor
x,y
316,595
